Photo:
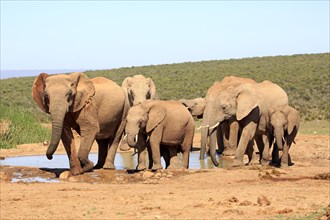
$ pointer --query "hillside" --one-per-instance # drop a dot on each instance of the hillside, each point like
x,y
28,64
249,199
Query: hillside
x,y
306,79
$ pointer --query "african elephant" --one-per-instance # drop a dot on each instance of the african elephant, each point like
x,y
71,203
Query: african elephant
x,y
166,123
95,108
137,89
245,101
282,124
228,131
195,106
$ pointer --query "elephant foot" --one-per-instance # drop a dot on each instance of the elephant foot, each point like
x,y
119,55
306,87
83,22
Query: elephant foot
x,y
157,167
88,167
229,152
98,166
172,167
264,162
109,166
76,171
238,162
141,167
124,147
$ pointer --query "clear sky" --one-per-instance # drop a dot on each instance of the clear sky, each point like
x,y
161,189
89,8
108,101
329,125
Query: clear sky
x,y
111,34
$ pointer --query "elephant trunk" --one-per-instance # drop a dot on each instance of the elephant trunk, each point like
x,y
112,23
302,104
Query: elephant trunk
x,y
279,138
57,128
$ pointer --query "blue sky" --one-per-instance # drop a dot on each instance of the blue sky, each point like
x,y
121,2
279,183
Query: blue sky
x,y
48,35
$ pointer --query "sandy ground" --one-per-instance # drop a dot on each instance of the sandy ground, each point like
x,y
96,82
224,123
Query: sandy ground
x,y
250,192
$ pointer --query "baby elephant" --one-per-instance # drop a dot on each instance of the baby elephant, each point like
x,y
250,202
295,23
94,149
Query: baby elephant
x,y
283,127
164,123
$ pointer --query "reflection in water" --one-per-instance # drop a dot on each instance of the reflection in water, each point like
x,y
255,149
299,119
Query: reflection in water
x,y
123,160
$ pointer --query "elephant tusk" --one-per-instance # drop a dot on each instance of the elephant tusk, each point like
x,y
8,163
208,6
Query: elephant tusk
x,y
283,139
136,139
214,126
125,136
147,139
202,126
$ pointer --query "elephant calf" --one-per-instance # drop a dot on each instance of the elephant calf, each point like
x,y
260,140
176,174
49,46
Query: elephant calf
x,y
282,125
166,123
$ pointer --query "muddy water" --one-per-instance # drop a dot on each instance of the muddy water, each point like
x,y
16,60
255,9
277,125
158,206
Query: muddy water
x,y
123,160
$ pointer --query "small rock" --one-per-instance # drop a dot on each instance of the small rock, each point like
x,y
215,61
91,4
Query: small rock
x,y
263,201
158,175
147,174
45,143
65,175
233,199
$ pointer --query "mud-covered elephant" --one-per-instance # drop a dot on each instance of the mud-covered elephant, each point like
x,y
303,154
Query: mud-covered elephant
x,y
137,89
246,102
282,124
226,131
166,123
95,108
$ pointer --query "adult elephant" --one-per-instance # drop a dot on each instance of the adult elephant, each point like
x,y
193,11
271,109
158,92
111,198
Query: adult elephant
x,y
246,102
282,124
228,130
95,108
168,124
137,89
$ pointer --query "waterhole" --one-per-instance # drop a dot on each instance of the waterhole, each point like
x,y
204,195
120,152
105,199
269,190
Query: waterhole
x,y
123,161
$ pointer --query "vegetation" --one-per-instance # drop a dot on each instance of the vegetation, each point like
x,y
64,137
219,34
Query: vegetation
x,y
306,79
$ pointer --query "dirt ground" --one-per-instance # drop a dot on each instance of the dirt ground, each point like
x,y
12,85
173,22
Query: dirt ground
x,y
250,192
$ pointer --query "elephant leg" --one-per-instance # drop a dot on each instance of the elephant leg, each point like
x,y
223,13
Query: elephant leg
x,y
110,156
173,156
233,128
70,148
275,155
251,151
103,151
123,146
155,139
165,153
247,135
86,143
187,144
220,141
143,148
285,156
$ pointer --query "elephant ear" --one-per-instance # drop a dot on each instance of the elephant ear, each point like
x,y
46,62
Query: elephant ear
x,y
126,83
156,116
152,88
85,90
38,91
264,121
246,100
293,118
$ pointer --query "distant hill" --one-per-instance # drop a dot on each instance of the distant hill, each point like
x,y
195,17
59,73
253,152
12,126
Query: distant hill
x,y
306,79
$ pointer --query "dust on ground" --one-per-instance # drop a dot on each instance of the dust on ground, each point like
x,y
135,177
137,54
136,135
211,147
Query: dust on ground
x,y
250,192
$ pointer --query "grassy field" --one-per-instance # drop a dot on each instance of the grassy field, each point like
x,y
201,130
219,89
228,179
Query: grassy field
x,y
306,79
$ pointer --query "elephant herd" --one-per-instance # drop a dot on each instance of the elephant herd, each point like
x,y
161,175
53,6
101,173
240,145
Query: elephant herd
x,y
237,112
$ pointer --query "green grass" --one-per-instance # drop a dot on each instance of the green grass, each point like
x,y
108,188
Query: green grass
x,y
315,127
305,78
312,216
19,126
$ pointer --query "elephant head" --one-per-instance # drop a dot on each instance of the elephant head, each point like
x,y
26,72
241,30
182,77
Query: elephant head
x,y
58,95
284,121
224,104
138,89
143,118
195,106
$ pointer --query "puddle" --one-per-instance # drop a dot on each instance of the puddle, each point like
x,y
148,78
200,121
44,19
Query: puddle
x,y
22,168
122,161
